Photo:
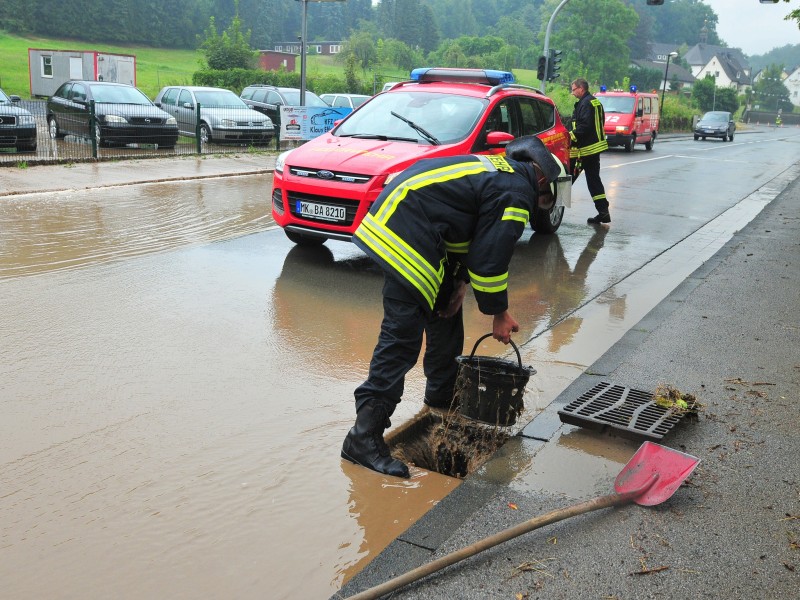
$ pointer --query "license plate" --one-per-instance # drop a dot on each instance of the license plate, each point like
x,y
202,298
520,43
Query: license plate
x,y
320,211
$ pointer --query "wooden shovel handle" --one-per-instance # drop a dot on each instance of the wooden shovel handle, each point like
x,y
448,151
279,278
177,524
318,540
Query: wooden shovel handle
x,y
498,538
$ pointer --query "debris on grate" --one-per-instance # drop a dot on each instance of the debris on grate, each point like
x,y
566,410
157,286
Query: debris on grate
x,y
634,414
447,443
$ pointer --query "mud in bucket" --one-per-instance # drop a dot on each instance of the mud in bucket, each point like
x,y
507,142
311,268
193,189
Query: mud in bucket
x,y
490,389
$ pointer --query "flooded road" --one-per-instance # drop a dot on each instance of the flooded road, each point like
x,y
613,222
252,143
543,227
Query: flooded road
x,y
176,378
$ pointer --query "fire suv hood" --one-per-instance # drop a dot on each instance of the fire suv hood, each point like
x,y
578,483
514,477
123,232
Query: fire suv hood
x,y
360,156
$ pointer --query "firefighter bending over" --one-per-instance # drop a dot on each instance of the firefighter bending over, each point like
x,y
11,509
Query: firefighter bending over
x,y
442,224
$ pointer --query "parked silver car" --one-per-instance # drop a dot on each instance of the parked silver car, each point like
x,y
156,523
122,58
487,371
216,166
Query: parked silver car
x,y
223,116
345,100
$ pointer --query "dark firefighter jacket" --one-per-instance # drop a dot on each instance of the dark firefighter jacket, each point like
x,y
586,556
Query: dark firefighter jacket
x,y
588,134
444,213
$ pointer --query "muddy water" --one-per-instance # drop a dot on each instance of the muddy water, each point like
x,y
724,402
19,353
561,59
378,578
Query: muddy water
x,y
176,381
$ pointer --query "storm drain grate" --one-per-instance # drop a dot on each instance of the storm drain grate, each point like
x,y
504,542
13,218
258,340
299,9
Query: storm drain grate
x,y
631,413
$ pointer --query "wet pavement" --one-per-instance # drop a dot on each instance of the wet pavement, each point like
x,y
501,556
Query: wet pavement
x,y
176,373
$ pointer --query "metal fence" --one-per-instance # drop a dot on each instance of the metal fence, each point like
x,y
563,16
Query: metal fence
x,y
65,141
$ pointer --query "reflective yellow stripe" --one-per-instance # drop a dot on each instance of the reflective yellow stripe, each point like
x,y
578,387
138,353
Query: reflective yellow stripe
x,y
399,262
494,284
423,179
457,247
516,214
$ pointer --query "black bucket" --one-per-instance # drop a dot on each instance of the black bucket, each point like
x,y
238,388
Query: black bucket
x,y
490,389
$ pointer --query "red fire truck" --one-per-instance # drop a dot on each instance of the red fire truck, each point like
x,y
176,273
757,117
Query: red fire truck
x,y
631,117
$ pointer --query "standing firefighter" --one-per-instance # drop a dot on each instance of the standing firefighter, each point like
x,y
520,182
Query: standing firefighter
x,y
442,223
588,141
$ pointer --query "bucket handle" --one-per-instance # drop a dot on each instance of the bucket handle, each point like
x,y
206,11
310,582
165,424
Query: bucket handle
x,y
483,337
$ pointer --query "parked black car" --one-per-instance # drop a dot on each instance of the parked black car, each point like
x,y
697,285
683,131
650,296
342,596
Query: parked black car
x,y
716,123
124,115
17,125
268,99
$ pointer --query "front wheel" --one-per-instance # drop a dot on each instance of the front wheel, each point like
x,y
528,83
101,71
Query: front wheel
x,y
304,240
649,144
547,221
205,133
52,128
629,143
98,136
696,137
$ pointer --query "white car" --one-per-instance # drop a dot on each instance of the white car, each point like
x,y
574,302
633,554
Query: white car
x,y
345,100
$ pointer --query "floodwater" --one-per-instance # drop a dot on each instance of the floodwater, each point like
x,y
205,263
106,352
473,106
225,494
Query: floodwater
x,y
176,380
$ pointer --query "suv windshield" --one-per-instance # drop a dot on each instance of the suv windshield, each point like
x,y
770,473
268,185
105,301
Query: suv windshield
x,y
616,104
447,118
293,98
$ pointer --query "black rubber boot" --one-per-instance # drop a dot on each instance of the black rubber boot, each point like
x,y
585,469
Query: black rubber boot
x,y
365,446
602,217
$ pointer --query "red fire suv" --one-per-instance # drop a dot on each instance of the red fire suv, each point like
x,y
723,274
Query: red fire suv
x,y
323,189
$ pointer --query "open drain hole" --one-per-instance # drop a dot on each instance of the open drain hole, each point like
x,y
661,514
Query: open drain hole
x,y
447,443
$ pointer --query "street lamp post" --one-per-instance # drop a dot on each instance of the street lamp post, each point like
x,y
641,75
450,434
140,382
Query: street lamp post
x,y
303,38
664,89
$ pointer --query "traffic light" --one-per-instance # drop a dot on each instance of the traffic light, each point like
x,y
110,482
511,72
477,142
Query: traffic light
x,y
655,2
553,65
541,68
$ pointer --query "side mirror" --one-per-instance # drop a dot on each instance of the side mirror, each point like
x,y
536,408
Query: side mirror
x,y
188,105
15,98
498,139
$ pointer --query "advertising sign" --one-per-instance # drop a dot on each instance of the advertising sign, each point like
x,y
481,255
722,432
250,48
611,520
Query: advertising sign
x,y
307,122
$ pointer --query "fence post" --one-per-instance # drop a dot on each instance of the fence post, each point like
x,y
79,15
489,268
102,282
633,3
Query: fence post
x,y
197,130
278,130
92,124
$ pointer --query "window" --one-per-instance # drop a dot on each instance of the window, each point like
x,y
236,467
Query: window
x,y
536,116
170,96
336,48
78,93
47,66
185,98
647,106
341,101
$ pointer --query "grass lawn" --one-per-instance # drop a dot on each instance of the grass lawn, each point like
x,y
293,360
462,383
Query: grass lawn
x,y
155,67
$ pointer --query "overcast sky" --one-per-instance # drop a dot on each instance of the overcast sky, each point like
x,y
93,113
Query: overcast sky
x,y
754,27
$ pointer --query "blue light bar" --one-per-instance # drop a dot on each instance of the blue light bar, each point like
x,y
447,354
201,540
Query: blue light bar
x,y
487,76
603,88
633,89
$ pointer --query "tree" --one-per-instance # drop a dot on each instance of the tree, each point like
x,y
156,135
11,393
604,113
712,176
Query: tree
x,y
231,50
770,92
593,35
793,16
710,97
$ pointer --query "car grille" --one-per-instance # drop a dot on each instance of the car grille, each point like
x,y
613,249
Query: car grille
x,y
8,120
329,175
350,206
145,120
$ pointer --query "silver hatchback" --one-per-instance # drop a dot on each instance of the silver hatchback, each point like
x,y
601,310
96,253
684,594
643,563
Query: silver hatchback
x,y
223,116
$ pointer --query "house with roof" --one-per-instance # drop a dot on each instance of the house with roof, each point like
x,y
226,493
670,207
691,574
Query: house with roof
x,y
728,66
792,83
656,59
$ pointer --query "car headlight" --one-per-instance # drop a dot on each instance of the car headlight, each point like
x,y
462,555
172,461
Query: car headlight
x,y
622,129
390,177
115,119
227,123
170,121
27,120
281,161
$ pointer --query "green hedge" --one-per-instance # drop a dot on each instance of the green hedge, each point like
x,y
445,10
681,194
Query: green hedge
x,y
238,79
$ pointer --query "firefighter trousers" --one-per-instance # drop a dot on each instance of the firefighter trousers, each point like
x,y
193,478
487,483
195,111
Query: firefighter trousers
x,y
399,345
591,166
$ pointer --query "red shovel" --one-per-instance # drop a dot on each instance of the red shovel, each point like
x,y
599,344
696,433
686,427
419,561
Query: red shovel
x,y
650,477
